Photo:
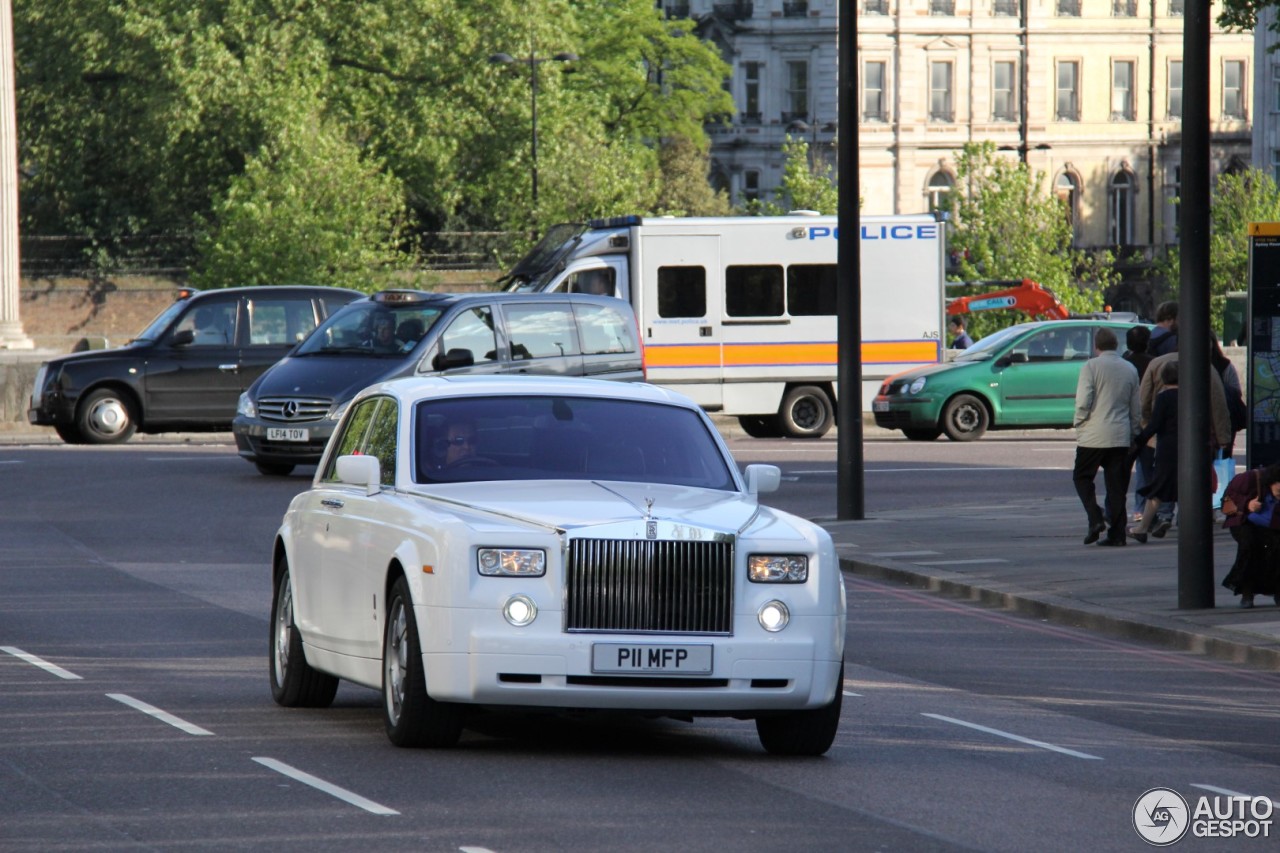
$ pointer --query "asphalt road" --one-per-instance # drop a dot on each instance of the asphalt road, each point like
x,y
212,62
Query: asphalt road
x,y
135,712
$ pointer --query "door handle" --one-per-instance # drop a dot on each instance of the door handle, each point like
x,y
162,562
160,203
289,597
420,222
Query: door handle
x,y
334,503
228,368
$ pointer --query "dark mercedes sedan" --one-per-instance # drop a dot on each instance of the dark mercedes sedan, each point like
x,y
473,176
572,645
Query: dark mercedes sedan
x,y
185,370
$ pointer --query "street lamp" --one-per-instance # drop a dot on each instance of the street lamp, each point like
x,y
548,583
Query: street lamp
x,y
533,62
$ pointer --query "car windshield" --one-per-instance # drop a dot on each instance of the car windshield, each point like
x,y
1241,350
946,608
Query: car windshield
x,y
371,328
565,438
156,327
987,347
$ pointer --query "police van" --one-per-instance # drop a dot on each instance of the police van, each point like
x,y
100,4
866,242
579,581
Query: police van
x,y
739,313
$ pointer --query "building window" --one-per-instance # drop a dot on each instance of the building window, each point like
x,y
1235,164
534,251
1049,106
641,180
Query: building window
x,y
1124,8
1068,92
1005,8
1175,89
1275,88
1120,209
1122,106
797,92
1173,190
1275,165
795,8
1175,8
1067,189
751,185
940,92
873,91
751,92
875,7
1004,91
1068,8
939,191
942,7
676,8
1233,89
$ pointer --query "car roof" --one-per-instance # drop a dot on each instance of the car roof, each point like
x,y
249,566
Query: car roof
x,y
273,288
415,388
392,298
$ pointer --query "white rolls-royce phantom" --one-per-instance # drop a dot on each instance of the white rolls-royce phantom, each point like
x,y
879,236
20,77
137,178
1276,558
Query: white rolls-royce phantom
x,y
552,543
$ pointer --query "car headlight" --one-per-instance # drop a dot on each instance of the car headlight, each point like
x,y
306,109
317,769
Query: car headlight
x,y
777,568
37,390
917,386
245,407
512,562
338,410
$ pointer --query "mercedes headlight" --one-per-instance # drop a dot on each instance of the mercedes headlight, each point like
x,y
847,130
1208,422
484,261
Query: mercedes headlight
x,y
512,562
778,568
246,408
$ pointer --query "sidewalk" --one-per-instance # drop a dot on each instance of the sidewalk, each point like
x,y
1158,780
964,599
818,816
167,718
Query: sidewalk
x,y
1028,557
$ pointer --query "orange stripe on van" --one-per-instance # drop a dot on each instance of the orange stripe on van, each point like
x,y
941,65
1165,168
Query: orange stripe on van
x,y
747,355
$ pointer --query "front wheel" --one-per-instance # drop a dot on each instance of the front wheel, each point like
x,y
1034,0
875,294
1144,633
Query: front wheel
x,y
965,418
803,732
294,683
106,416
412,717
806,412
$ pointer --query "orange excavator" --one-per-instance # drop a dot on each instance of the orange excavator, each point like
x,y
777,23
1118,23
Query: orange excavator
x,y
1026,296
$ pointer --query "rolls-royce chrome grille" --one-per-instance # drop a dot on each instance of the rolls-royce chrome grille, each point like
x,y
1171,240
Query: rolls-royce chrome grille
x,y
293,410
650,586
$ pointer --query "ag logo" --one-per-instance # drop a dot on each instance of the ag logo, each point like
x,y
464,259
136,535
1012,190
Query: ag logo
x,y
1161,816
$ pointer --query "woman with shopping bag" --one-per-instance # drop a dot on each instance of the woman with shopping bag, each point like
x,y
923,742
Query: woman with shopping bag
x,y
1251,505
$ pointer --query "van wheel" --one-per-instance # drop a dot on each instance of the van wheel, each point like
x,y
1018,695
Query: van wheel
x,y
927,434
760,426
965,418
806,412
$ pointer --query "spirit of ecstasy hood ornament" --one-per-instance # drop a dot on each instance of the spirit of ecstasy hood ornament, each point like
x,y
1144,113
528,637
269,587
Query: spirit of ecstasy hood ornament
x,y
650,526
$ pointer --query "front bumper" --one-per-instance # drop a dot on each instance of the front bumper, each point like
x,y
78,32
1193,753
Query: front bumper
x,y
253,444
904,412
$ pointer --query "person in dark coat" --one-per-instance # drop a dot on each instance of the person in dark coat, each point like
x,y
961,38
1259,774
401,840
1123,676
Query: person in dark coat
x,y
1135,341
1163,485
1256,528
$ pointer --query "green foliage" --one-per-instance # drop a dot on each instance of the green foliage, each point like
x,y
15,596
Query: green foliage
x,y
1005,226
144,116
1238,199
685,188
306,210
808,183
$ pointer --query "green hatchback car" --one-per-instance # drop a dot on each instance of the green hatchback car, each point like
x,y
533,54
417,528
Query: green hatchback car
x,y
1022,377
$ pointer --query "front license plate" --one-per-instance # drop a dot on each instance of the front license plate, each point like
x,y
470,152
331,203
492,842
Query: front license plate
x,y
677,660
879,405
289,434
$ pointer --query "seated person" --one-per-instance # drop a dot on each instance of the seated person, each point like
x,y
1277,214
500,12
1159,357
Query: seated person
x,y
410,331
209,327
383,335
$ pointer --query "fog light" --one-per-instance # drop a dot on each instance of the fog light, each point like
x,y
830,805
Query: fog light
x,y
774,616
520,610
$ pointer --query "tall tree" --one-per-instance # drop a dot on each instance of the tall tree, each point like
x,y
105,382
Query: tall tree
x,y
1005,225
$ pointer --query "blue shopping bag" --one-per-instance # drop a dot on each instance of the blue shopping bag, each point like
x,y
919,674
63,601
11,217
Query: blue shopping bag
x,y
1224,468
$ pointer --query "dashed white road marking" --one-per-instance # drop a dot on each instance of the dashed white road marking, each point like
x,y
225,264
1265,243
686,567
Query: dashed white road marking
x,y
43,664
903,554
162,716
1213,789
973,562
1008,736
326,787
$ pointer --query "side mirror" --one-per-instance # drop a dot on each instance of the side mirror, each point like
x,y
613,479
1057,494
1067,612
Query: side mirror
x,y
1012,358
762,479
185,338
456,357
361,471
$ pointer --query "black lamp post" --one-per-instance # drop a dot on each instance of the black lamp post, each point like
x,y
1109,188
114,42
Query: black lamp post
x,y
533,62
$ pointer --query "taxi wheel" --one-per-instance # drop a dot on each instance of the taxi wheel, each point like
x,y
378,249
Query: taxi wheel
x,y
760,426
965,418
806,412
294,683
412,717
802,732
106,416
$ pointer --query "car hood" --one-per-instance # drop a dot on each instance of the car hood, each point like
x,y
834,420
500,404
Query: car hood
x,y
338,377
677,512
933,369
131,350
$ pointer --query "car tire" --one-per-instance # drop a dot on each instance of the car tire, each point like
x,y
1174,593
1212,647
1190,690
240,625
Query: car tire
x,y
69,433
806,412
106,416
927,434
760,426
294,684
274,469
965,418
802,732
413,718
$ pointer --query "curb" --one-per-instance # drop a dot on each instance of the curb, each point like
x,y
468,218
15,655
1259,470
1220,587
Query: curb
x,y
1220,644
